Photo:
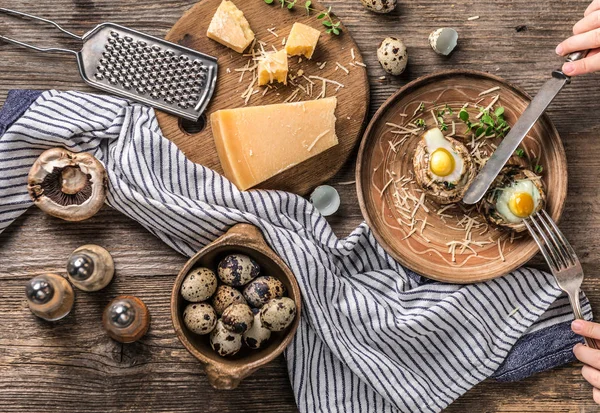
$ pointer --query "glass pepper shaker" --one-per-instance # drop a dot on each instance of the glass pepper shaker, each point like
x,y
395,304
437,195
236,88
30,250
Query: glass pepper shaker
x,y
126,319
49,296
90,267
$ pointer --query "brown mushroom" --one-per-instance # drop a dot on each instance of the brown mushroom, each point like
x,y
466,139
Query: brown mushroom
x,y
67,185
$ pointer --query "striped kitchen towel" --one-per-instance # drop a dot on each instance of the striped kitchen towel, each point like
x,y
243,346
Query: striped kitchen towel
x,y
373,337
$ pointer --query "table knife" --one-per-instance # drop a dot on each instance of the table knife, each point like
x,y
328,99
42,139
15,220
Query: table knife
x,y
511,142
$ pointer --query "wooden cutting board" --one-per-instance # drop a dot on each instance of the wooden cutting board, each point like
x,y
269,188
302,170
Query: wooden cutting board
x,y
353,98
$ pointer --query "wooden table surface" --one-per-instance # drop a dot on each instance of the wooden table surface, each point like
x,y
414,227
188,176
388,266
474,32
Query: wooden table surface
x,y
72,366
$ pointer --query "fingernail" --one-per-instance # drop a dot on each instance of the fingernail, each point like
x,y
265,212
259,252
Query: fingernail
x,y
559,50
577,325
577,345
568,68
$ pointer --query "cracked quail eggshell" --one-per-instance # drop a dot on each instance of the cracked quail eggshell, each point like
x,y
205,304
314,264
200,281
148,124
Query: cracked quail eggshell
x,y
225,342
443,41
278,313
199,318
199,285
238,270
226,296
258,335
392,55
237,318
263,289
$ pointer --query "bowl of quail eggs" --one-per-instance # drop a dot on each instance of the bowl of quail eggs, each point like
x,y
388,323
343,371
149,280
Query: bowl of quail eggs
x,y
235,306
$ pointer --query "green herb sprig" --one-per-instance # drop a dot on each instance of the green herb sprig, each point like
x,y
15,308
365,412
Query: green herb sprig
x,y
332,27
420,123
489,124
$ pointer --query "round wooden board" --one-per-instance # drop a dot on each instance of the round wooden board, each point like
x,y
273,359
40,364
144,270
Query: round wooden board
x,y
432,259
353,98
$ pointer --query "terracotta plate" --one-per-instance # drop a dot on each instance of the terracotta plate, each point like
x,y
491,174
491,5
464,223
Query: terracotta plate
x,y
427,252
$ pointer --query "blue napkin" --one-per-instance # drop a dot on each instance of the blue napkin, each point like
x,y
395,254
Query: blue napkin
x,y
373,337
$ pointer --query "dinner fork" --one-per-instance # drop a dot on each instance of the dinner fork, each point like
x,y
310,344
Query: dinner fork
x,y
561,258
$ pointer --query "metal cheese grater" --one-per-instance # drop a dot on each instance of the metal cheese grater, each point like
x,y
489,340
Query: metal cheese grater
x,y
143,68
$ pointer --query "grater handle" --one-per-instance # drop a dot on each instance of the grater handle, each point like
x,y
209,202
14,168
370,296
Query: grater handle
x,y
39,49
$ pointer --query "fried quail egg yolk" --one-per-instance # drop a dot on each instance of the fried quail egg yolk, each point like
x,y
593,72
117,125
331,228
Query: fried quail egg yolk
x,y
441,162
521,204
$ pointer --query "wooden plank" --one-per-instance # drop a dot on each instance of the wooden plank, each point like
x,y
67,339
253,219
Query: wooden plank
x,y
73,366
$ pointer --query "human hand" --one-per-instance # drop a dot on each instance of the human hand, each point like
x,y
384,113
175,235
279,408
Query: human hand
x,y
589,356
586,36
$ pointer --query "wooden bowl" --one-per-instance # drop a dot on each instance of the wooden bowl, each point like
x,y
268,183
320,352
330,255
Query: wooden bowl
x,y
432,259
227,372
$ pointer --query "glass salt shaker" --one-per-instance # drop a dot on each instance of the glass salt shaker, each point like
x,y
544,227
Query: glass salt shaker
x,y
49,296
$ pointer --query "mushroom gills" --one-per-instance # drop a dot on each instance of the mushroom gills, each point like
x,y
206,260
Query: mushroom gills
x,y
67,186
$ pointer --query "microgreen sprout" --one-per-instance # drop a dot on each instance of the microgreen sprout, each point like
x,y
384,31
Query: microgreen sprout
x,y
490,123
520,152
420,123
539,169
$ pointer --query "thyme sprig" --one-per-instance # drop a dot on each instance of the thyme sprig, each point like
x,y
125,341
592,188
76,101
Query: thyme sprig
x,y
332,26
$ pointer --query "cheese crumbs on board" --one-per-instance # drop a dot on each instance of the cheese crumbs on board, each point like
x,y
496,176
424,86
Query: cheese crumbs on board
x,y
230,28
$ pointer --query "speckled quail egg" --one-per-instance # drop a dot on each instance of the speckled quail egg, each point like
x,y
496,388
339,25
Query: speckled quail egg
x,y
199,318
237,318
443,41
225,342
263,289
199,285
392,55
238,270
226,296
278,313
443,167
380,6
515,194
258,335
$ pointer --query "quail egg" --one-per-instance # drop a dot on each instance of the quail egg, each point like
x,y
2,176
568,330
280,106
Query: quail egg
x,y
379,6
278,313
516,194
225,342
392,55
257,336
199,285
238,270
226,296
443,167
199,318
237,318
443,41
262,289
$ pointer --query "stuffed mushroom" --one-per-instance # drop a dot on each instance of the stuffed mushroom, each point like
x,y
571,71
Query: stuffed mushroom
x,y
516,194
443,167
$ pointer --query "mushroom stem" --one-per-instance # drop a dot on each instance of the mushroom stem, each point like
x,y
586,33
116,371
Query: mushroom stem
x,y
73,180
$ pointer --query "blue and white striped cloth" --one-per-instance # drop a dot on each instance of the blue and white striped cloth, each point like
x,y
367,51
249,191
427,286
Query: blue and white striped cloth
x,y
373,337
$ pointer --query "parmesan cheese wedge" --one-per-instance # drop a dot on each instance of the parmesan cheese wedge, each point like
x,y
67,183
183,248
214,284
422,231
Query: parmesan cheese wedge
x,y
230,28
257,143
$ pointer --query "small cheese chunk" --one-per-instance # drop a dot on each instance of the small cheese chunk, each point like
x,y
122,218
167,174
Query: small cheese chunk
x,y
257,143
302,40
273,66
230,28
